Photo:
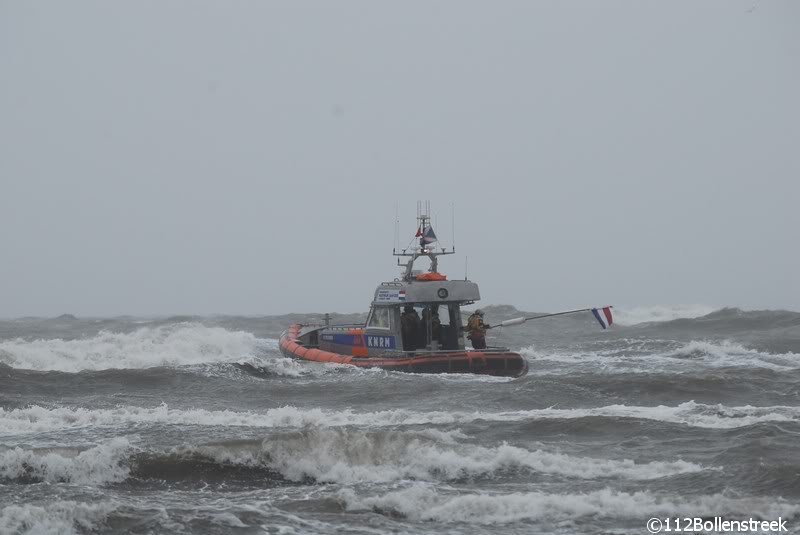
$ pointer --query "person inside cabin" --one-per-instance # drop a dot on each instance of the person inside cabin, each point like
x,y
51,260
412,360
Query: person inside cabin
x,y
476,329
436,325
382,318
430,315
410,327
422,335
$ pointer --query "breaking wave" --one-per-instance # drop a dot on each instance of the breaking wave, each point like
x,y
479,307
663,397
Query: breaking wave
x,y
646,314
342,456
423,502
172,345
727,353
95,466
36,419
57,518
352,456
696,352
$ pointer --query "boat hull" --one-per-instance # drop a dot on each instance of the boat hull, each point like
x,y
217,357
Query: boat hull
x,y
484,362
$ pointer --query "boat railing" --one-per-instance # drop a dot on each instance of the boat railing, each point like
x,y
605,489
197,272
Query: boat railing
x,y
339,326
493,348
443,352
428,351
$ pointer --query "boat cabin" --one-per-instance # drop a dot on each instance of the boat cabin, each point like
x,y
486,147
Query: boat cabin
x,y
434,320
433,310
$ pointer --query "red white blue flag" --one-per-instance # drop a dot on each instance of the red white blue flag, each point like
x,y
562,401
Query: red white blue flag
x,y
429,236
603,315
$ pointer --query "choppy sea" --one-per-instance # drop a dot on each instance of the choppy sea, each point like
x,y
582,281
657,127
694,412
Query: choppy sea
x,y
200,425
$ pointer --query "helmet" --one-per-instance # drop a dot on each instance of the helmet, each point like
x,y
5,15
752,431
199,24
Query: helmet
x,y
479,312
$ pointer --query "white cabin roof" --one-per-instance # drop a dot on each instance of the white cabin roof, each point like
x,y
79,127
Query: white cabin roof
x,y
398,292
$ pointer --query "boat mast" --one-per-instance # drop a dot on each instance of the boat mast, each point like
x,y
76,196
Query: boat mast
x,y
423,248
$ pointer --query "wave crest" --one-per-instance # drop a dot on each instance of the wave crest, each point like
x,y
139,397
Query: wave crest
x,y
58,518
101,464
171,345
423,502
354,456
37,419
344,456
658,313
643,358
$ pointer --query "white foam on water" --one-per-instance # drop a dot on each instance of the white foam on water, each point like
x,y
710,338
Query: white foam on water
x,y
98,465
353,456
687,413
274,365
639,360
172,345
423,502
625,315
596,360
36,419
727,353
57,518
213,515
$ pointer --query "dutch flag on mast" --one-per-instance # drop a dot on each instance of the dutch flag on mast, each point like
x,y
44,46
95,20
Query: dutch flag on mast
x,y
429,236
603,315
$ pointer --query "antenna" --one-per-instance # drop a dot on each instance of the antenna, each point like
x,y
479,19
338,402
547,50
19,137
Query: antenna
x,y
453,224
466,259
396,227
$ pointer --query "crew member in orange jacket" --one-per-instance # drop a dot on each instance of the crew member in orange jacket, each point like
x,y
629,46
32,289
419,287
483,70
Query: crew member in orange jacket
x,y
477,329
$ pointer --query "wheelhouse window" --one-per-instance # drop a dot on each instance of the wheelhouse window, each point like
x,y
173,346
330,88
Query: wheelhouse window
x,y
379,318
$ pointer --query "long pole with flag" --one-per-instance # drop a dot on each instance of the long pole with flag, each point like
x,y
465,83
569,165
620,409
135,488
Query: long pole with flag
x,y
602,315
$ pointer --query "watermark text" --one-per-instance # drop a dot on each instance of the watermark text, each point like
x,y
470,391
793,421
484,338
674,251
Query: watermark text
x,y
717,524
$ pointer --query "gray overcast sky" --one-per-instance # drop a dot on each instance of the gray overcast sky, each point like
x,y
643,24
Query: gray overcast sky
x,y
247,157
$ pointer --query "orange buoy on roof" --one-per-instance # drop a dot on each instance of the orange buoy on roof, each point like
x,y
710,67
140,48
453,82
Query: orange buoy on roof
x,y
432,276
